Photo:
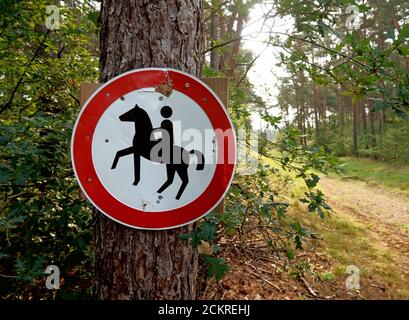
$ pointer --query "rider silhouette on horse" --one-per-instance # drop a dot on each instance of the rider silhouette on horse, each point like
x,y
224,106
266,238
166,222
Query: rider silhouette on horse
x,y
176,158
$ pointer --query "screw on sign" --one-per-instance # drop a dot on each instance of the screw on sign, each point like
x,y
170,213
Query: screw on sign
x,y
154,149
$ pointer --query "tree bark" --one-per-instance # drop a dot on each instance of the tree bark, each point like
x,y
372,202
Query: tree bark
x,y
228,30
151,33
223,31
382,122
129,263
372,124
302,108
341,108
364,123
235,46
315,106
214,34
355,129
381,45
316,120
300,101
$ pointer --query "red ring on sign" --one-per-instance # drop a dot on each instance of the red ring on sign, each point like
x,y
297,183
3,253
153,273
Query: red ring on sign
x,y
81,149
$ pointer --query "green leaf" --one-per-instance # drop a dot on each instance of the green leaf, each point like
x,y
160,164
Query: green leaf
x,y
290,254
216,267
206,231
298,242
312,181
403,51
403,33
381,105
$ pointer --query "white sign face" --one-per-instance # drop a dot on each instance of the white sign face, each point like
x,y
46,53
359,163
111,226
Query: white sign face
x,y
192,130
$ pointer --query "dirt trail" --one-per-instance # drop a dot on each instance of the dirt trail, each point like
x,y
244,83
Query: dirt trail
x,y
386,214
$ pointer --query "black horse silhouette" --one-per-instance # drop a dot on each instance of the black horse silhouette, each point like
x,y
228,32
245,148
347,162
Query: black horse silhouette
x,y
143,142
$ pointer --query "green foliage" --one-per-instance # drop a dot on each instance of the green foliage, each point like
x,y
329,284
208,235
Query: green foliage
x,y
255,203
316,202
365,70
206,231
394,145
217,267
43,220
42,69
364,67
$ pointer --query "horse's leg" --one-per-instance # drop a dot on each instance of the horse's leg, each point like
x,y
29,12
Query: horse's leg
x,y
170,171
182,172
120,154
136,168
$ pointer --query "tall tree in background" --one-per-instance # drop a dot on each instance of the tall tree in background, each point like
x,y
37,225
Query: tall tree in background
x,y
132,264
368,66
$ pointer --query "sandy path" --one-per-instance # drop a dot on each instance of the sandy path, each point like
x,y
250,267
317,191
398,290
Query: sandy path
x,y
385,213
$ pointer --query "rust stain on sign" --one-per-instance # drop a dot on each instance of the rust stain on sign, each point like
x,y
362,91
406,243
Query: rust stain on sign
x,y
165,89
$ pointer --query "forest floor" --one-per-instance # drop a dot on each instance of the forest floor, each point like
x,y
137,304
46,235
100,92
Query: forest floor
x,y
369,229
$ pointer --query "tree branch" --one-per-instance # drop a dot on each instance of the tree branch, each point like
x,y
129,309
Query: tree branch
x,y
20,81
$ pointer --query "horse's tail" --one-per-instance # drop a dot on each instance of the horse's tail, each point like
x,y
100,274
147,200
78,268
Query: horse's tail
x,y
200,159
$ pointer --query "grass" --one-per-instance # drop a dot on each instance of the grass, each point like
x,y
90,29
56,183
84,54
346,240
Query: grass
x,y
327,276
390,175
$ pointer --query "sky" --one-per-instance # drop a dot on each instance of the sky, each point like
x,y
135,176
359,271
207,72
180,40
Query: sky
x,y
265,72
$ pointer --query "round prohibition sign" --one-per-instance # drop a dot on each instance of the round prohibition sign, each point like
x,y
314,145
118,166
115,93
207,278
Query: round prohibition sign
x,y
122,124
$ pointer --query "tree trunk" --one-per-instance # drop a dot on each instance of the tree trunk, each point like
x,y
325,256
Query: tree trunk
x,y
396,25
223,31
364,124
323,111
299,92
235,46
382,123
228,29
355,128
381,45
214,56
129,263
340,101
315,105
372,124
302,108
316,120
